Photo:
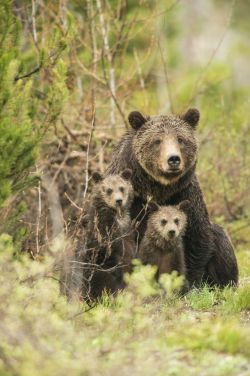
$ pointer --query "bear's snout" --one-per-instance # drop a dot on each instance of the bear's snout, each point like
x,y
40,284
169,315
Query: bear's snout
x,y
119,202
174,161
171,233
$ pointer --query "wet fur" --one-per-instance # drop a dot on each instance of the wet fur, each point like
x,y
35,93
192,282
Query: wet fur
x,y
209,253
108,248
156,249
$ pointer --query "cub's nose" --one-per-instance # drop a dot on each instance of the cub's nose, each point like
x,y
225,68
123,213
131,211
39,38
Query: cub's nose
x,y
119,202
171,233
174,161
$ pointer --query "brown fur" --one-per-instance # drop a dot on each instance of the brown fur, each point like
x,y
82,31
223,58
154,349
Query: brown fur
x,y
146,150
159,248
108,248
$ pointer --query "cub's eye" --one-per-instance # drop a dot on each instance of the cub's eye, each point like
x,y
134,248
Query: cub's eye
x,y
121,189
157,141
164,222
180,140
109,191
176,221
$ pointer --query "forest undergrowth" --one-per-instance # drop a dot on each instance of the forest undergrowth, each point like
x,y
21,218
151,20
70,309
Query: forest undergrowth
x,y
142,331
70,72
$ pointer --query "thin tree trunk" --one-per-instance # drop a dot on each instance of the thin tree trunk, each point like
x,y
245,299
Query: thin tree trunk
x,y
112,83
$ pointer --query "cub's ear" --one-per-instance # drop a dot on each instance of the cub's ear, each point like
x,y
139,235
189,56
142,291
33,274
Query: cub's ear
x,y
126,174
136,119
97,177
184,205
153,206
192,117
85,221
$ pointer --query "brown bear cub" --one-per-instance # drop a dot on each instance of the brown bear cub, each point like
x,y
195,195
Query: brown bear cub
x,y
162,244
109,246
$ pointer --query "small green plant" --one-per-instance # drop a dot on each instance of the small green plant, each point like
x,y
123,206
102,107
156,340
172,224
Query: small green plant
x,y
171,283
142,280
204,298
236,300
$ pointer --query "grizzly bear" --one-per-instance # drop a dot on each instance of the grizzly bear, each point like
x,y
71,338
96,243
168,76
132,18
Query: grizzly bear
x,y
108,248
162,243
162,153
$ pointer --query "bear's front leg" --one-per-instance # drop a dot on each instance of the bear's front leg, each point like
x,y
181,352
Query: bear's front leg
x,y
222,269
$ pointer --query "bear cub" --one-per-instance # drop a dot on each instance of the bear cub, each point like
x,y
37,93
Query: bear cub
x,y
162,244
109,245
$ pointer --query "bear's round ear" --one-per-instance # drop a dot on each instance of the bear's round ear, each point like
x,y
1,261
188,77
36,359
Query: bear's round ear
x,y
153,206
184,205
85,221
126,174
136,119
96,176
192,117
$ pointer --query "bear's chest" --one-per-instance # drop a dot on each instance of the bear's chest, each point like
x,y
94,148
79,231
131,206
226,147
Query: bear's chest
x,y
165,262
123,222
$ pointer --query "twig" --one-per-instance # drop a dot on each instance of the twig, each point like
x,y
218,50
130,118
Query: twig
x,y
39,213
165,70
87,155
37,69
111,67
33,19
72,202
140,75
113,96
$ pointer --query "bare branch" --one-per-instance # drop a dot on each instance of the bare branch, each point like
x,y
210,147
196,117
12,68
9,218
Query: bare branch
x,y
112,84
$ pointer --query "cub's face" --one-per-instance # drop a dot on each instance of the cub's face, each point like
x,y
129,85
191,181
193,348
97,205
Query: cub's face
x,y
115,190
166,146
168,222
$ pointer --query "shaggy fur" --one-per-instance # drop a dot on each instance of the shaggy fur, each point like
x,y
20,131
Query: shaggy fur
x,y
162,244
146,150
108,249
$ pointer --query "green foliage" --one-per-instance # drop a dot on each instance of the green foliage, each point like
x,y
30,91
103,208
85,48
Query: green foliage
x,y
142,280
147,329
237,301
29,107
18,148
204,299
41,333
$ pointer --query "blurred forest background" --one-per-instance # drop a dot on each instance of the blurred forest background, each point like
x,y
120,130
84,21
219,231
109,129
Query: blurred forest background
x,y
70,72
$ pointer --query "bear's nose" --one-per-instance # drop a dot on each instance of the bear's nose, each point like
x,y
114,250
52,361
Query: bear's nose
x,y
174,161
171,233
119,202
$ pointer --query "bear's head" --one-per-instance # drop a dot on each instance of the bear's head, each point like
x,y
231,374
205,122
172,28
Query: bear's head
x,y
169,222
114,190
165,146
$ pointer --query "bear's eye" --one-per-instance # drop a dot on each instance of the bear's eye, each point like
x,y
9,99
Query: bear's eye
x,y
109,191
180,140
176,221
164,222
121,189
157,141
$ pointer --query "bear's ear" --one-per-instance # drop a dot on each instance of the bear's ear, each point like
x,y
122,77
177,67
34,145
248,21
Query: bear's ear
x,y
192,117
97,177
153,207
136,119
85,221
126,174
184,206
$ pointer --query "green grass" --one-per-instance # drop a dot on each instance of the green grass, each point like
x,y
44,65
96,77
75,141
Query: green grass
x,y
142,332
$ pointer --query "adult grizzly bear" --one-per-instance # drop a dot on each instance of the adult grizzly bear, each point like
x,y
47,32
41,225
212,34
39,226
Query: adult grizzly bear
x,y
162,153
